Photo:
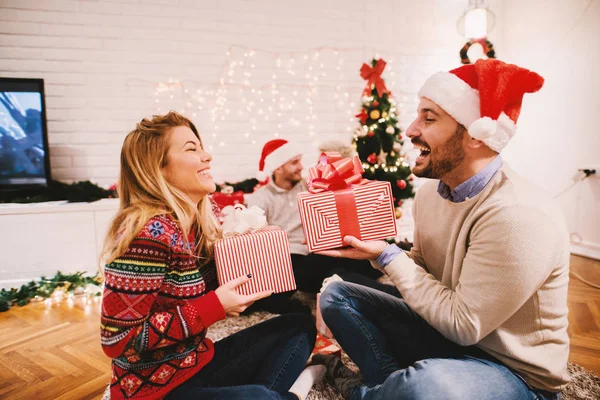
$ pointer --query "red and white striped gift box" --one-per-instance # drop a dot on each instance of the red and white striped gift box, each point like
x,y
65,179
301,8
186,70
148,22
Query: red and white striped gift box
x,y
264,253
321,222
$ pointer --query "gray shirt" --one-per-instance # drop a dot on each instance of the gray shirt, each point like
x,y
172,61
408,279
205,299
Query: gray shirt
x,y
281,209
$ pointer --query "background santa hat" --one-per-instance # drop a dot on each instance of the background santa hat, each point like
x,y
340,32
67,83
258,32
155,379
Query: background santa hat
x,y
274,154
485,97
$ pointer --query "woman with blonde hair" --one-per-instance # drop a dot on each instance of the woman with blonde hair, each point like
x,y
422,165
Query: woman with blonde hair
x,y
161,293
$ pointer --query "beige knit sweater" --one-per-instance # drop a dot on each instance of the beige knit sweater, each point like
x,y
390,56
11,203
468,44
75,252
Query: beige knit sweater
x,y
493,271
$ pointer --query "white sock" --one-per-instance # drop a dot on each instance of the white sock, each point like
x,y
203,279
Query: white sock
x,y
311,375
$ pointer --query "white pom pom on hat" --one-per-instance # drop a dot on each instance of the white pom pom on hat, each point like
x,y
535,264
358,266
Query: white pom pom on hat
x,y
483,128
261,176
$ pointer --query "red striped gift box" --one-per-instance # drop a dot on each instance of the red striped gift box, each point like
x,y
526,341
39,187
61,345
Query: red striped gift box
x,y
264,253
321,214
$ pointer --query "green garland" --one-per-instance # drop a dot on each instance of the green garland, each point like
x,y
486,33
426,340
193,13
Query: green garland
x,y
84,191
44,288
246,186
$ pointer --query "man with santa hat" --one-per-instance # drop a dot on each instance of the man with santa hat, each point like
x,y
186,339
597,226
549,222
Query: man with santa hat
x,y
483,313
281,166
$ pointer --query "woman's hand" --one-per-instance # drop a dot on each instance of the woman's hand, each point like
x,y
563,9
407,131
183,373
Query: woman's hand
x,y
359,250
234,303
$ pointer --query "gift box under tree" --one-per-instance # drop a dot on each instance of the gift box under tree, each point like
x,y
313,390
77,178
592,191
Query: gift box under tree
x,y
340,203
251,247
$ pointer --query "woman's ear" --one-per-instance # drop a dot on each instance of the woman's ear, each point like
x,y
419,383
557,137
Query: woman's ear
x,y
163,166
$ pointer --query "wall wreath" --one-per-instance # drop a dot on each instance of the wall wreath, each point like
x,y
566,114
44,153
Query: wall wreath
x,y
488,49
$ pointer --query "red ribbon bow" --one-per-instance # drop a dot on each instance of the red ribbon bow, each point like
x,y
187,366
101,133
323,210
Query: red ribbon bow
x,y
338,174
335,173
373,76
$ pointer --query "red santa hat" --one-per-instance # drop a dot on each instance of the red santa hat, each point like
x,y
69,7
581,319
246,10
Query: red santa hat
x,y
274,154
485,97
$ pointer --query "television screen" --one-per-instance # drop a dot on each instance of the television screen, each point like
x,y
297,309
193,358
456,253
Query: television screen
x,y
23,140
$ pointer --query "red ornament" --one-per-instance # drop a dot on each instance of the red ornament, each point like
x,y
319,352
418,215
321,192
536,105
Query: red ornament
x,y
399,203
401,184
375,103
372,158
371,134
363,116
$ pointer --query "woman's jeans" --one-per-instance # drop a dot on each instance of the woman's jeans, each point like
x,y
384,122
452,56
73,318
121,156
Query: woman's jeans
x,y
260,362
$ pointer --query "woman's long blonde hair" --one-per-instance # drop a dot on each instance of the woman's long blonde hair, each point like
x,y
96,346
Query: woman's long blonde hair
x,y
144,192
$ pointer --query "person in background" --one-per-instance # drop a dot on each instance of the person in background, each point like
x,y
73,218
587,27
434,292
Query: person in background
x,y
281,165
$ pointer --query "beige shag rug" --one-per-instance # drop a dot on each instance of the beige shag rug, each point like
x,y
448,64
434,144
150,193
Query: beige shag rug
x,y
584,386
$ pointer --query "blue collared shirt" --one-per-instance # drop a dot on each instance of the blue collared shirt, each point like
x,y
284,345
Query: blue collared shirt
x,y
466,190
472,186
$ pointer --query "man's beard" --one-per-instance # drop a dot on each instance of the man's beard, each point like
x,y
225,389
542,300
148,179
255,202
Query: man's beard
x,y
447,157
292,178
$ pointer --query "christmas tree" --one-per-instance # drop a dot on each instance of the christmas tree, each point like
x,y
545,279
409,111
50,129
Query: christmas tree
x,y
378,140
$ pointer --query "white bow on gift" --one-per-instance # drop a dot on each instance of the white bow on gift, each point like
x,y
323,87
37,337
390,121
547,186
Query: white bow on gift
x,y
239,220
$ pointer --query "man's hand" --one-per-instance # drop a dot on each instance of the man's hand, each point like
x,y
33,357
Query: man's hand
x,y
360,250
234,303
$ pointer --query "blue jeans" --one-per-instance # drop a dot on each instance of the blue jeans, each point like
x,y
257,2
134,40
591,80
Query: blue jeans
x,y
260,362
402,357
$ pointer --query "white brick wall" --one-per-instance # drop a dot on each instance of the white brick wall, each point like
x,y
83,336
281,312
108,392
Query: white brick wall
x,y
102,59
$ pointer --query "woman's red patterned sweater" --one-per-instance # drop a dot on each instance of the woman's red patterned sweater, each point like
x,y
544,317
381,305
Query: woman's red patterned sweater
x,y
156,307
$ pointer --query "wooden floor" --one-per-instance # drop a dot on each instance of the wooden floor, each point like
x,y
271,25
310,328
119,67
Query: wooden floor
x,y
52,351
584,314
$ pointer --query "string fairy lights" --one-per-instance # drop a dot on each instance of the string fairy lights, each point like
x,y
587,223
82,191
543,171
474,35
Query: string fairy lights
x,y
260,92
